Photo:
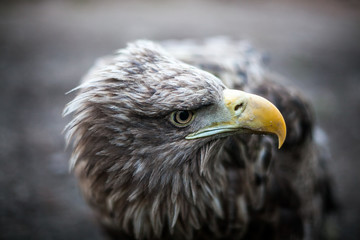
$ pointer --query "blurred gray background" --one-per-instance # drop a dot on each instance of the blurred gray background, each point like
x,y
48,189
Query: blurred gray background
x,y
46,46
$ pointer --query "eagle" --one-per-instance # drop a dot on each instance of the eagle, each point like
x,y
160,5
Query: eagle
x,y
197,140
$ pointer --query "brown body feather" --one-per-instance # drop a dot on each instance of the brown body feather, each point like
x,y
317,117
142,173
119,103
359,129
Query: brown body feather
x,y
145,181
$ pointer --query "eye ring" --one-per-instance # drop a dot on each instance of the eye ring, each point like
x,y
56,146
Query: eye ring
x,y
181,118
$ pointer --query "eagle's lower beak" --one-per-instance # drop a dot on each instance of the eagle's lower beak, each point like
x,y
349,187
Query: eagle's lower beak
x,y
245,112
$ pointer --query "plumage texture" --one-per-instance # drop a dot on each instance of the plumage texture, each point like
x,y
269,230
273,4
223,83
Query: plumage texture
x,y
144,180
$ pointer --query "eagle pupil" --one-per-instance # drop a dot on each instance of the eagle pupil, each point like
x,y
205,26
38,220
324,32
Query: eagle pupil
x,y
184,116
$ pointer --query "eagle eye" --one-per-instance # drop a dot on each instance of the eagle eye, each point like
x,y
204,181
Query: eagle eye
x,y
181,118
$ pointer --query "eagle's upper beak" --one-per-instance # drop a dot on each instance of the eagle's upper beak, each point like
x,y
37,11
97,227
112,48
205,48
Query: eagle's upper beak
x,y
245,112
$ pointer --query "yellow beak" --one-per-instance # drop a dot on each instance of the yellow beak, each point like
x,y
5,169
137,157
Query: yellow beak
x,y
245,112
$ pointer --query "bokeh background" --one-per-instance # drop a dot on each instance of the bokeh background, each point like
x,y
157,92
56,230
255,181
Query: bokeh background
x,y
46,46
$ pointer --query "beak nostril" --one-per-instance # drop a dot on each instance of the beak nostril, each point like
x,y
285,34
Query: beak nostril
x,y
237,107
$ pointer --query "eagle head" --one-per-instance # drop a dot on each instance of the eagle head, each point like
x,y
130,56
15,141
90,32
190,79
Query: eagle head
x,y
148,133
